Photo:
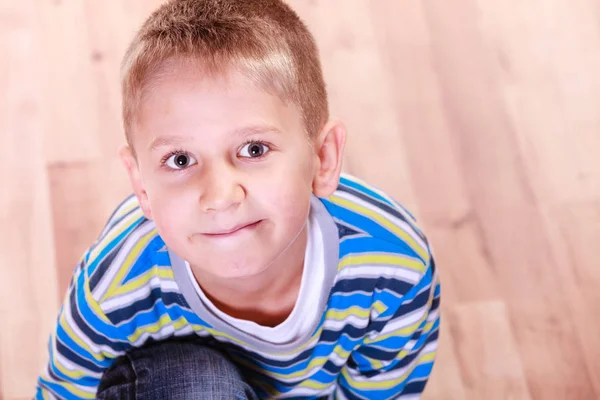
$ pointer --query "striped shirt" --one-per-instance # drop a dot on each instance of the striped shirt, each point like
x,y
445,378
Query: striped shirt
x,y
376,337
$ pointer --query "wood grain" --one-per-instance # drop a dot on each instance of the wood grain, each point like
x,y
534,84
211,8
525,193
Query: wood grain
x,y
480,116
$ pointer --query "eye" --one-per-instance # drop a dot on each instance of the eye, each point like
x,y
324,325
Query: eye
x,y
180,160
254,150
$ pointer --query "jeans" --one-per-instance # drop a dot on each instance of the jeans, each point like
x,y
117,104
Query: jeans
x,y
174,370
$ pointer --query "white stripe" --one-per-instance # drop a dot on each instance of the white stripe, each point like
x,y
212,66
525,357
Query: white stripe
x,y
338,324
337,360
277,357
165,332
412,396
128,298
381,271
124,206
401,322
104,240
355,292
303,391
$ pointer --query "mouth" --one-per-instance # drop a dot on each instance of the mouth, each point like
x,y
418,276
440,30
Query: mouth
x,y
233,231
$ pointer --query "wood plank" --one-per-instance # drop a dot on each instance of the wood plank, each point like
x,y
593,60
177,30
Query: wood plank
x,y
487,352
354,69
502,195
481,117
28,291
70,92
575,234
83,196
547,59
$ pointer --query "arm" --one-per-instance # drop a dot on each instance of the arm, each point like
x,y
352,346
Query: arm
x,y
83,344
398,352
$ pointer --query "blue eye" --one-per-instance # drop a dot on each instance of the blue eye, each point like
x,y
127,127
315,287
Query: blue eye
x,y
254,150
180,161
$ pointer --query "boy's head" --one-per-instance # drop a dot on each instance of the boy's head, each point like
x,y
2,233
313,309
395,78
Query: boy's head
x,y
226,118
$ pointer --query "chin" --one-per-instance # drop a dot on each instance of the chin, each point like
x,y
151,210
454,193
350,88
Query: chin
x,y
237,271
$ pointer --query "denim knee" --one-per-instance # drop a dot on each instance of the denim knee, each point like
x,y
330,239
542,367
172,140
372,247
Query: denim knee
x,y
175,370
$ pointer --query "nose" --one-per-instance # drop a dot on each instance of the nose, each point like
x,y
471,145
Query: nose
x,y
220,190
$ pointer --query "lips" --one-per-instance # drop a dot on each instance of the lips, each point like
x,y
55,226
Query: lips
x,y
231,231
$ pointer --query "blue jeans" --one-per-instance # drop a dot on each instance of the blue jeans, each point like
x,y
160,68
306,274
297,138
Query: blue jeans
x,y
174,370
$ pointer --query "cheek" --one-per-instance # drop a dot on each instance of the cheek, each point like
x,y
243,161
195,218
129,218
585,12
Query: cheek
x,y
289,202
167,210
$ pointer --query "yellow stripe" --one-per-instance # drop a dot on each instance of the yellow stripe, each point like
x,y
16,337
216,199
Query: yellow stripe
x,y
423,253
383,259
125,210
91,301
113,233
376,364
341,352
315,362
309,383
163,321
379,307
127,263
343,314
142,280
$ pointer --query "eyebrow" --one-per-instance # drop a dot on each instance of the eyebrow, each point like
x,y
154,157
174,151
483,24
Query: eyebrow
x,y
240,132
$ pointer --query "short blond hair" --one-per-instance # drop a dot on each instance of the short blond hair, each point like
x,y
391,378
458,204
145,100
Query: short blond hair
x,y
263,39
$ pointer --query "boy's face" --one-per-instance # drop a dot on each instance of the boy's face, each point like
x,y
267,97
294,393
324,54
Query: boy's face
x,y
226,171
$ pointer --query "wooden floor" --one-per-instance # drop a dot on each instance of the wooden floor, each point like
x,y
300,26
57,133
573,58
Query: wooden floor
x,y
482,116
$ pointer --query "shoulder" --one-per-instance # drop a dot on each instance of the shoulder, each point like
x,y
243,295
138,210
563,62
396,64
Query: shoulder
x,y
382,251
381,225
126,253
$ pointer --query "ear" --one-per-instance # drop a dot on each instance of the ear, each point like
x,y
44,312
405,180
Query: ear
x,y
135,177
329,149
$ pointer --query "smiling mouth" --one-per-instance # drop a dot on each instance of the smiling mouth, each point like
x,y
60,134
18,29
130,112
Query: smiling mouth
x,y
233,231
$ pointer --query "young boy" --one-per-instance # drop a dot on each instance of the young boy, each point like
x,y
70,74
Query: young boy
x,y
244,266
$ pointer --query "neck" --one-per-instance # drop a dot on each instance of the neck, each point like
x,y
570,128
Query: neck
x,y
266,298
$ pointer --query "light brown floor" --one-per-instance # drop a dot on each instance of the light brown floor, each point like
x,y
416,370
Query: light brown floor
x,y
481,116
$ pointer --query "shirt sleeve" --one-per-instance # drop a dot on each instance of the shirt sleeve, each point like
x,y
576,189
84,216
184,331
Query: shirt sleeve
x,y
398,352
83,344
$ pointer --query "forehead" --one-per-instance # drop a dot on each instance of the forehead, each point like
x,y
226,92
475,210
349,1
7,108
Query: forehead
x,y
182,99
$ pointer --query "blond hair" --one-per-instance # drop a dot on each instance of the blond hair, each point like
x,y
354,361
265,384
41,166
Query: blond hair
x,y
263,39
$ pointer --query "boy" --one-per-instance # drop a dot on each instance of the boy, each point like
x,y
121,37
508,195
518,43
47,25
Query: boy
x,y
244,266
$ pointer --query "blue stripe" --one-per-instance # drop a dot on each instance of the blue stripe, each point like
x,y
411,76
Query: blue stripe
x,y
361,188
150,257
146,304
366,244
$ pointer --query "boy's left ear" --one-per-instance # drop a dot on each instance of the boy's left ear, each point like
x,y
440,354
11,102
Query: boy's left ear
x,y
329,149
